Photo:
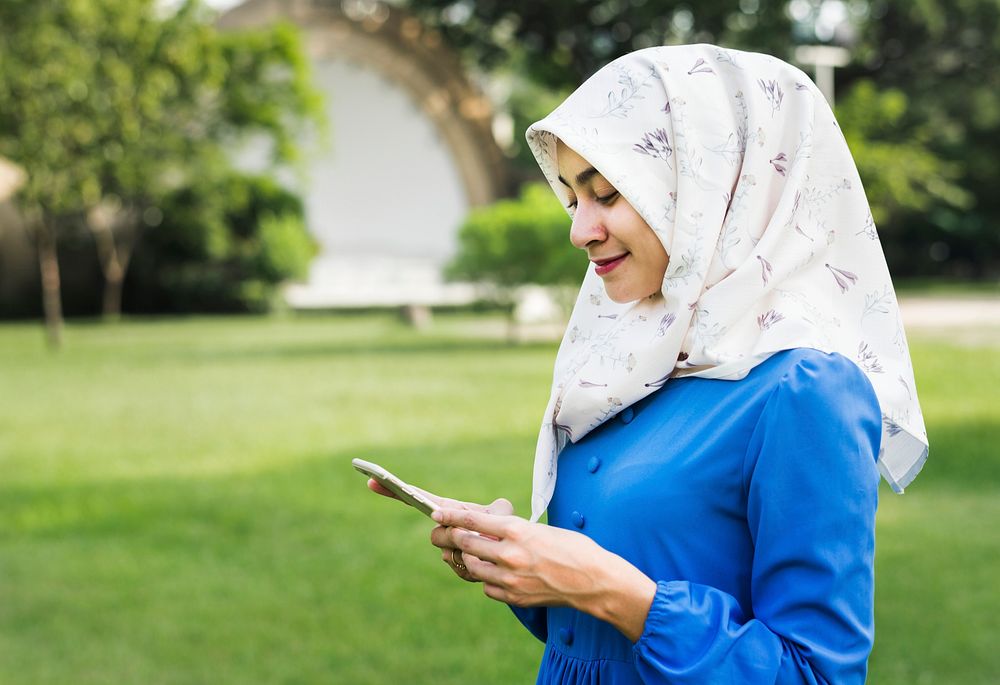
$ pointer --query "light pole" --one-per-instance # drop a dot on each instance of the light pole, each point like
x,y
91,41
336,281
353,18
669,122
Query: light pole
x,y
823,58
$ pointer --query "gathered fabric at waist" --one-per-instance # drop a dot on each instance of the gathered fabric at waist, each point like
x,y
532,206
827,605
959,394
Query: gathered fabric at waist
x,y
558,668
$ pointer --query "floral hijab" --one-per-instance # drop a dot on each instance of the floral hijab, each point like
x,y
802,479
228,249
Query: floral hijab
x,y
736,162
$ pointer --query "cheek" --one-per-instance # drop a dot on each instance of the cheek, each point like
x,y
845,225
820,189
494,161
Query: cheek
x,y
647,242
654,255
662,259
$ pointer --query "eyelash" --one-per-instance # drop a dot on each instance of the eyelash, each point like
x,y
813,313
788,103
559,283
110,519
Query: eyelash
x,y
606,200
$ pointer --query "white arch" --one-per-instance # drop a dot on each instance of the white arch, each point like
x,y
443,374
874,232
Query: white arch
x,y
412,152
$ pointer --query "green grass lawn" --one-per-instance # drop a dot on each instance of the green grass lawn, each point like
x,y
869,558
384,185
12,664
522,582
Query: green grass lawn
x,y
177,505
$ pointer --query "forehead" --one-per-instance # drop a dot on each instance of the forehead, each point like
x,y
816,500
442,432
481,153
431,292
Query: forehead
x,y
570,162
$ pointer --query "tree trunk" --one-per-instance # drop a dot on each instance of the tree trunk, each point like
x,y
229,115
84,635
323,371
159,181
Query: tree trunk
x,y
114,278
48,263
113,254
510,307
417,315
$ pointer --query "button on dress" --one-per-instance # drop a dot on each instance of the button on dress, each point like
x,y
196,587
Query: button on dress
x,y
752,505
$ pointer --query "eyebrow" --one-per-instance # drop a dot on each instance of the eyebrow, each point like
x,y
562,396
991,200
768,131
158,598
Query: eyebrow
x,y
581,178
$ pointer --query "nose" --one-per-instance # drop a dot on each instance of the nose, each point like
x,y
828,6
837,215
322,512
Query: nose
x,y
587,226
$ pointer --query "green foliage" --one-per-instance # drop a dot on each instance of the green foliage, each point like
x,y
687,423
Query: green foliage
x,y
517,242
942,54
224,245
901,173
559,44
284,248
108,97
123,101
268,86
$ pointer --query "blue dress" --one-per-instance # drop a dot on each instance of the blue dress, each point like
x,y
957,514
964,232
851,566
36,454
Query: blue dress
x,y
752,505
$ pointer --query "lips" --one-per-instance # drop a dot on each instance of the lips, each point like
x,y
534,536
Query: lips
x,y
606,266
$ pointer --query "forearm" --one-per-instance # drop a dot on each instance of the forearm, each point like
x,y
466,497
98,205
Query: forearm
x,y
621,596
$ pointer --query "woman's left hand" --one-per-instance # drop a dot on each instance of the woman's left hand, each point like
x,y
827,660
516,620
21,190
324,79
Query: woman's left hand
x,y
532,564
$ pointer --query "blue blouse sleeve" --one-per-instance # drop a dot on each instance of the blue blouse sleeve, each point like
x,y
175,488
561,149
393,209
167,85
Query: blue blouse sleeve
x,y
811,484
535,619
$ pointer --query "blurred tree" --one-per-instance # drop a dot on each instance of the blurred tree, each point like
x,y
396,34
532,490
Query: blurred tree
x,y
545,49
561,43
902,175
942,56
111,104
226,241
518,242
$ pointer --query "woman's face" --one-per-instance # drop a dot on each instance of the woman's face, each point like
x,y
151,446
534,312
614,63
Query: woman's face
x,y
627,255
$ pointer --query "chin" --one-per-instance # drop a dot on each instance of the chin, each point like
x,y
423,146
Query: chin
x,y
620,297
623,296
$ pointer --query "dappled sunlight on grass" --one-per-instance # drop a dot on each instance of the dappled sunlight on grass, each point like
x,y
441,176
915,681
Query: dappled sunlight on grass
x,y
207,399
178,505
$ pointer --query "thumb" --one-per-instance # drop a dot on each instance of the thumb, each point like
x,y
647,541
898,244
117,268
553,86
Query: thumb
x,y
500,507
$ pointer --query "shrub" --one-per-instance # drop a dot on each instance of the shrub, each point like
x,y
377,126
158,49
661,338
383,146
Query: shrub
x,y
518,242
222,246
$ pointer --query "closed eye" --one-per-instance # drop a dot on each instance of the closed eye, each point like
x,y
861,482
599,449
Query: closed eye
x,y
603,199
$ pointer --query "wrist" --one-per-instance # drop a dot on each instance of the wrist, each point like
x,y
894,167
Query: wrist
x,y
623,596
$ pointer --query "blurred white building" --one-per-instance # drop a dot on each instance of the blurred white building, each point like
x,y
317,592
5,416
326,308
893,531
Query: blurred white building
x,y
410,151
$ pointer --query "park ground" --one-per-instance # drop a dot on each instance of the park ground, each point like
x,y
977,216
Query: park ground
x,y
177,503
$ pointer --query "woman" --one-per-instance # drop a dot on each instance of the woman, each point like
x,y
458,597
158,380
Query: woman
x,y
733,378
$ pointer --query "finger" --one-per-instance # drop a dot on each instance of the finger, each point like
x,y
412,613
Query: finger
x,y
485,548
481,522
448,557
443,537
500,507
378,489
481,570
437,499
448,503
496,592
462,571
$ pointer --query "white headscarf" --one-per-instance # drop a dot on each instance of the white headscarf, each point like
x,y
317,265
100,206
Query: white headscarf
x,y
736,162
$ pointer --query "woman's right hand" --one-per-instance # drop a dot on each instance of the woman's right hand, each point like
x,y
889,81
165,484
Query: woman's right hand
x,y
441,535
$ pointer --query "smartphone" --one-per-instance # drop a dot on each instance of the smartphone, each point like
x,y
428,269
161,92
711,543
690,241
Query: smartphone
x,y
400,488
